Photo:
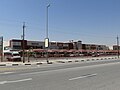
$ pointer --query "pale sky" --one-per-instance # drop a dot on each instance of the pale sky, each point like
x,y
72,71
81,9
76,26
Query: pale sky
x,y
91,21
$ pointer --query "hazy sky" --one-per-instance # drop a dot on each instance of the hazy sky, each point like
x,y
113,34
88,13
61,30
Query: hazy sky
x,y
91,21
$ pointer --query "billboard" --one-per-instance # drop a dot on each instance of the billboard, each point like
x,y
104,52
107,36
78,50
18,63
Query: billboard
x,y
46,42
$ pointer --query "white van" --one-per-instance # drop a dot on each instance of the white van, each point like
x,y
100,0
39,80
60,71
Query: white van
x,y
13,56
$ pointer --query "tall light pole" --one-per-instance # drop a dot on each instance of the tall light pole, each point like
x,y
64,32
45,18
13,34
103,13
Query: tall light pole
x,y
47,20
47,38
1,47
118,45
23,42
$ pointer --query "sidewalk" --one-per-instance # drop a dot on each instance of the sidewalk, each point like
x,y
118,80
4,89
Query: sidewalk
x,y
52,61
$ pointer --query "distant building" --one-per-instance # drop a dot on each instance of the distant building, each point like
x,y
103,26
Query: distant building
x,y
35,45
115,47
17,44
94,47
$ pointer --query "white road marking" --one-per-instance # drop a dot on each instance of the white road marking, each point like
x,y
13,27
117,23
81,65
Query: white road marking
x,y
22,80
89,75
72,68
32,73
6,73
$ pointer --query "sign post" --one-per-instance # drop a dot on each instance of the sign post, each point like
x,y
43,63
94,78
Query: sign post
x,y
47,46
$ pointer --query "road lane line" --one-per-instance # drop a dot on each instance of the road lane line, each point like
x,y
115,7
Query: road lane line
x,y
72,68
6,73
22,80
84,76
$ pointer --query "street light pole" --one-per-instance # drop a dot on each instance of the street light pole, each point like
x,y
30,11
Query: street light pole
x,y
1,48
47,38
118,45
47,20
23,44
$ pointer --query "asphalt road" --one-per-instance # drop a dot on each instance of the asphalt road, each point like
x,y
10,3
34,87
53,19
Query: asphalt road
x,y
97,75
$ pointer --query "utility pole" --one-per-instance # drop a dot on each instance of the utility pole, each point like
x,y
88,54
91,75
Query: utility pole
x,y
47,38
118,46
1,48
23,42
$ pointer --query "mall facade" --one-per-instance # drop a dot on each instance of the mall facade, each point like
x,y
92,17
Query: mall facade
x,y
17,44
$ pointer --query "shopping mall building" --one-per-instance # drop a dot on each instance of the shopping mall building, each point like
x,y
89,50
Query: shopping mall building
x,y
17,44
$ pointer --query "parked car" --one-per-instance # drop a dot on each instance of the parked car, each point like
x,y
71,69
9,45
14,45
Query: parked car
x,y
13,56
95,55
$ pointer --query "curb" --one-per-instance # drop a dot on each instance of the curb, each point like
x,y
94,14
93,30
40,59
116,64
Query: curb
x,y
62,61
22,64
39,63
69,61
28,64
2,64
76,60
15,64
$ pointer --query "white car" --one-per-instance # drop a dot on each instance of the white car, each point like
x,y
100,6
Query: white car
x,y
14,56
